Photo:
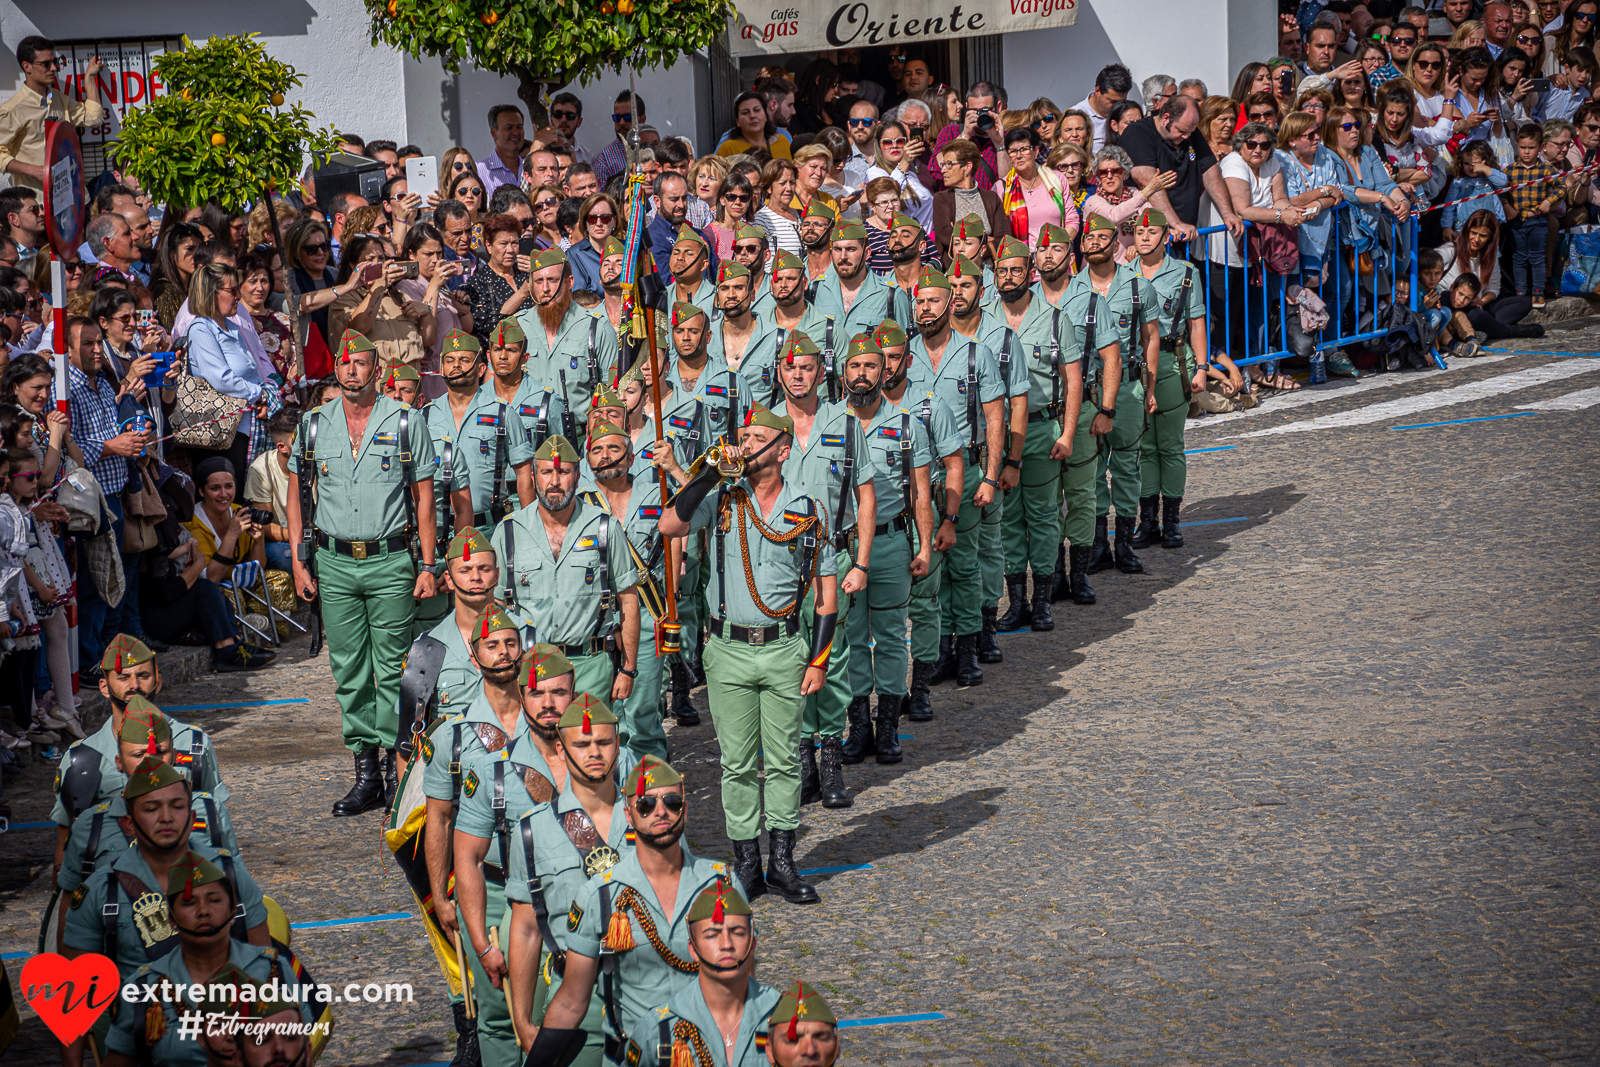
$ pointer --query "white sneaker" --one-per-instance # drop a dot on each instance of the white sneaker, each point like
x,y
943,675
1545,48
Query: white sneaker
x,y
73,723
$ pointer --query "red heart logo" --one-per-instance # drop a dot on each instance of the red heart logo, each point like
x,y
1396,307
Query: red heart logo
x,y
67,994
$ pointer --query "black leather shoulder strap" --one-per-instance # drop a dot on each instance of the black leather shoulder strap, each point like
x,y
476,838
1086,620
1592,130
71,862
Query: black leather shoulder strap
x,y
417,690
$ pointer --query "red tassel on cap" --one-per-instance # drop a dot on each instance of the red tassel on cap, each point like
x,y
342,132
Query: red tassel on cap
x,y
118,667
1044,239
716,909
188,885
794,1020
587,728
485,630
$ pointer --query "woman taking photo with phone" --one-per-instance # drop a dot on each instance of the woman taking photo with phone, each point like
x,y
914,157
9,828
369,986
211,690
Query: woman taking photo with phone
x,y
401,329
425,247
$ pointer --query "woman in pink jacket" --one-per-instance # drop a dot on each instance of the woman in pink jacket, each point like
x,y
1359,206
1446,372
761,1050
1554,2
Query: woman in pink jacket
x,y
1115,200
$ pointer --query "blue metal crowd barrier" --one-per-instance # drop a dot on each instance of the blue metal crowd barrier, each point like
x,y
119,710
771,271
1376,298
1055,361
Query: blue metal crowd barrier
x,y
1265,341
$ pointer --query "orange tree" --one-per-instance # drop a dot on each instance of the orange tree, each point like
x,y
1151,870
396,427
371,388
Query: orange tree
x,y
221,132
548,41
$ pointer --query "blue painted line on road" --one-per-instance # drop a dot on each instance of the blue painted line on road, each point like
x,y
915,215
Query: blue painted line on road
x,y
245,704
28,826
1218,448
327,923
15,955
1517,352
1458,422
891,1020
838,870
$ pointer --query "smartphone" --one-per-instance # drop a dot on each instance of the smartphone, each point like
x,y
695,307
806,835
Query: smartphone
x,y
372,272
143,319
157,377
422,176
410,269
1539,85
527,245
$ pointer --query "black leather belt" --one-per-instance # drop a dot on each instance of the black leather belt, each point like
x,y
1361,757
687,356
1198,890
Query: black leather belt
x,y
494,874
363,549
1052,411
755,636
1169,344
896,523
593,646
481,521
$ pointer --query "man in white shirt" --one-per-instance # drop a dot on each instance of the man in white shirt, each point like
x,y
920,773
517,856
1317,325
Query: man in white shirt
x,y
500,167
1111,85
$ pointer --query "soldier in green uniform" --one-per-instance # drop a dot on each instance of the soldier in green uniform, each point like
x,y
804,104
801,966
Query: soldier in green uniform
x,y
200,904
1130,307
724,1008
968,240
566,344
857,298
1096,344
1180,316
742,339
963,373
946,481
372,465
751,249
402,383
634,499
481,440
967,319
539,404
629,927
687,265
1032,518
565,564
803,1031
607,406
816,237
829,461
793,311
555,848
875,624
906,243
770,547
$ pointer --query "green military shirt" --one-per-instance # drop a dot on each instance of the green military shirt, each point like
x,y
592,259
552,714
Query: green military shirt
x,y
585,354
191,753
763,302
642,522
723,397
776,567
996,334
818,467
445,749
680,426
459,682
140,921
759,363
899,445
874,302
152,1032
654,1033
360,498
643,977
1043,332
558,860
1172,297
542,411
476,441
704,297
1109,327
967,378
1120,299
96,837
943,437
498,783
563,594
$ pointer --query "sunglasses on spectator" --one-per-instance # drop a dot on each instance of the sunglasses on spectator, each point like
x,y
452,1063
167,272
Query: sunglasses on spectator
x,y
546,202
1525,39
1262,116
1428,64
1044,119
316,249
737,198
861,122
28,477
621,118
80,265
647,803
597,219
1259,146
1581,15
563,115
1590,126
1348,126
1106,172
1072,165
892,141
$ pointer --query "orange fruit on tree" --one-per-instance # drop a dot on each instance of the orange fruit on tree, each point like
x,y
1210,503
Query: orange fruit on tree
x,y
393,8
218,140
625,6
490,19
277,99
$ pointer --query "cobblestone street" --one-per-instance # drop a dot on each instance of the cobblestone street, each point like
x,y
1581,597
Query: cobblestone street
x,y
1318,788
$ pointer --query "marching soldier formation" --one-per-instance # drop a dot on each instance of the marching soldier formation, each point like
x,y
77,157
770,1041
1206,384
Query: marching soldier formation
x,y
847,475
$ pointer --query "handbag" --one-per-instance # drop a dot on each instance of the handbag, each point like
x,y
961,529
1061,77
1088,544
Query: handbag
x,y
1275,246
204,417
142,509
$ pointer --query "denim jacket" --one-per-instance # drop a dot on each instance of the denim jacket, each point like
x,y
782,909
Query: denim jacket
x,y
1479,194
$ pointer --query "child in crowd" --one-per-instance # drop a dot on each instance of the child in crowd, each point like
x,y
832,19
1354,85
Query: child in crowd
x,y
1477,179
266,486
1570,88
325,390
1457,335
1536,187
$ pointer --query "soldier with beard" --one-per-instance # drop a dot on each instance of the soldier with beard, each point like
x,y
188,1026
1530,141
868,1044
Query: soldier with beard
x,y
963,373
569,348
816,235
509,760
1053,260
968,320
857,298
793,311
612,257
690,254
1031,523
750,251
721,395
565,565
945,483
538,405
1099,348
745,341
906,243
480,439
968,241
631,923
554,850
875,622
771,547
829,461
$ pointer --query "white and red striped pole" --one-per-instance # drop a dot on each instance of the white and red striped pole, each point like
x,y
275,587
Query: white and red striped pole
x,y
58,314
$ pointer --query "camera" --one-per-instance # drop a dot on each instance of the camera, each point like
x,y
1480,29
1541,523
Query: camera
x,y
261,516
985,120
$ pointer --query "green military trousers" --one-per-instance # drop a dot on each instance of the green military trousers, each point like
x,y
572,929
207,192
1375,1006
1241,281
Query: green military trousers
x,y
961,591
1031,519
496,1038
1077,483
594,674
756,706
1127,439
877,621
826,711
923,608
692,606
639,716
1163,469
991,551
367,609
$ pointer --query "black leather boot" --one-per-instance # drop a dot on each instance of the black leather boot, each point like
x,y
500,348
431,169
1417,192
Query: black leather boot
x,y
1042,619
1149,531
367,793
1127,562
747,867
834,793
783,878
1016,616
919,705
810,788
467,1054
988,647
1170,537
683,708
966,657
944,668
888,724
1060,588
1082,591
861,741
1100,550
391,778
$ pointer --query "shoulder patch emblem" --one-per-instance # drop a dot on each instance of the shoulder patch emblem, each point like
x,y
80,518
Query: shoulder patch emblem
x,y
78,895
427,750
633,1053
470,786
574,917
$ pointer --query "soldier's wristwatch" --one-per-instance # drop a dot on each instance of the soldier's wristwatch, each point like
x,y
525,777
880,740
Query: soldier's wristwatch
x,y
950,518
431,568
1110,413
630,674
